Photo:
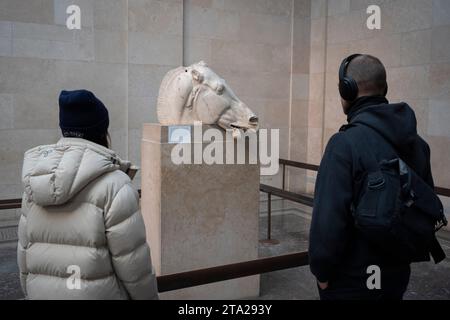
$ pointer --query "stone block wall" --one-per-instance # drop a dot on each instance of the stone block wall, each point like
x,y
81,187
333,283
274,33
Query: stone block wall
x,y
413,43
280,57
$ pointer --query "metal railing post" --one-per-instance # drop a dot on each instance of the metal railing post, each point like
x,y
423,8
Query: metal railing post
x,y
269,216
269,239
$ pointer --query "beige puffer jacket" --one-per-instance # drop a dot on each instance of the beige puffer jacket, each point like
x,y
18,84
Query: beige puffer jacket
x,y
81,233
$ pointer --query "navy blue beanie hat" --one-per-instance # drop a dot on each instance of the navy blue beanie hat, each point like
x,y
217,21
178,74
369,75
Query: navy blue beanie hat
x,y
82,114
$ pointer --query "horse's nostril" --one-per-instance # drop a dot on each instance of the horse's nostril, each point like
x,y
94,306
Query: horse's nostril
x,y
253,119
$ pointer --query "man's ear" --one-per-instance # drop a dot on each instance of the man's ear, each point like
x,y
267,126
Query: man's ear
x,y
197,76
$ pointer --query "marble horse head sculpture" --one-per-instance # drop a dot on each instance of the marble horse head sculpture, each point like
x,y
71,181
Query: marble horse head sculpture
x,y
196,93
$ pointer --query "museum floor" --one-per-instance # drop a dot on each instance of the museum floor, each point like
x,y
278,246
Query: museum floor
x,y
290,225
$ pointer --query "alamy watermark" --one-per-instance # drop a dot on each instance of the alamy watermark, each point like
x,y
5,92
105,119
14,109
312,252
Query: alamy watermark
x,y
73,282
374,280
374,20
238,147
73,21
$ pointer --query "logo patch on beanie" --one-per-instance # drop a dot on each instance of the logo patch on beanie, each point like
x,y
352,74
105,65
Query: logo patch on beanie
x,y
73,134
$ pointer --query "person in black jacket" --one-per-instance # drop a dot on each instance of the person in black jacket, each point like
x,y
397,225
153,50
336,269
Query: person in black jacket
x,y
339,256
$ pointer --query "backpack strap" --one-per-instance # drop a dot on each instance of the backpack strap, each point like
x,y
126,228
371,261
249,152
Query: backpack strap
x,y
436,251
366,129
372,169
357,143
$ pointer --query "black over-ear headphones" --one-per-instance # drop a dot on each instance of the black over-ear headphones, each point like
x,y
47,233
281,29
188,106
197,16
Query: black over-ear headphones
x,y
348,88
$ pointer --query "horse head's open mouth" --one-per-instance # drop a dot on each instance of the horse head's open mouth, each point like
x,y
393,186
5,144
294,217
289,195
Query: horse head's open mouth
x,y
252,124
239,118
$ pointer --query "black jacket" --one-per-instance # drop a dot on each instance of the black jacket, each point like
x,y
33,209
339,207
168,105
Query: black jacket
x,y
335,249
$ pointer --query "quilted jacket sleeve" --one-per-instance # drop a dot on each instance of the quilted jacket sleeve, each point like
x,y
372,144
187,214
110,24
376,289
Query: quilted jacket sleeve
x,y
22,245
125,232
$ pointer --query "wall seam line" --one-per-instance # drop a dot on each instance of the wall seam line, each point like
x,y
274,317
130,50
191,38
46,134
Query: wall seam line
x,y
324,76
291,86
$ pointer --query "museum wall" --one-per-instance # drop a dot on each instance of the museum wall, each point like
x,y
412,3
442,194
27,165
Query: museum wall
x,y
412,43
279,56
248,43
300,92
155,46
122,52
39,57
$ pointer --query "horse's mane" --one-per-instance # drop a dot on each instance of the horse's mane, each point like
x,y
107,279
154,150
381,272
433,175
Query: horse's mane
x,y
163,109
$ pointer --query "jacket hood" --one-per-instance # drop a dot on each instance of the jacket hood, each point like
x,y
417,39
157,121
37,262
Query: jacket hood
x,y
53,174
395,122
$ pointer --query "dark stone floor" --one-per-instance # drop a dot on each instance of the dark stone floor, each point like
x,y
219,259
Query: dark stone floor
x,y
290,225
9,272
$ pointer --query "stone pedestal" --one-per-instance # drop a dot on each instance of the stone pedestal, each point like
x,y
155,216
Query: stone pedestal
x,y
198,215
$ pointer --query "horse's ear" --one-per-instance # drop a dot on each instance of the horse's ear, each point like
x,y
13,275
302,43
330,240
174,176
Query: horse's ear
x,y
197,76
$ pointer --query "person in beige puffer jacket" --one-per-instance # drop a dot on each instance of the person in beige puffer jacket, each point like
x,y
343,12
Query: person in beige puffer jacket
x,y
81,233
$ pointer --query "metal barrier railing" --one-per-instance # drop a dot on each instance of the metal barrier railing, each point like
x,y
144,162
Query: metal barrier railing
x,y
10,204
442,191
298,197
231,271
16,203
242,269
282,193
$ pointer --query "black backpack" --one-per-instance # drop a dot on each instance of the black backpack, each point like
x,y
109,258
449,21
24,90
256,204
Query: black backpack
x,y
395,210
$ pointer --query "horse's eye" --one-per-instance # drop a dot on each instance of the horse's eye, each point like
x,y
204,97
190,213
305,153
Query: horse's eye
x,y
220,89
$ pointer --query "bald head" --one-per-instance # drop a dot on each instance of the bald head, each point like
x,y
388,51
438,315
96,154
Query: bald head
x,y
369,73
